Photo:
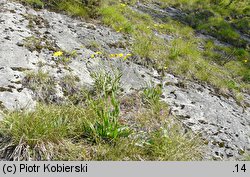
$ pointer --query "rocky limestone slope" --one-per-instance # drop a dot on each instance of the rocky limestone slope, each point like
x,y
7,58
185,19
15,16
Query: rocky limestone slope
x,y
28,39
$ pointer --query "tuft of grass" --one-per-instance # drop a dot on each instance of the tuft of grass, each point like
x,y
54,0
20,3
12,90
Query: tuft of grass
x,y
169,144
158,146
106,83
45,133
150,49
74,8
69,85
49,123
152,94
84,9
42,84
35,3
37,44
115,18
59,133
151,98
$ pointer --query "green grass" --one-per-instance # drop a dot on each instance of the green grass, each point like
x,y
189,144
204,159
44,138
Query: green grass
x,y
182,55
95,124
152,95
97,130
115,18
47,124
158,147
50,128
41,83
46,133
165,144
72,7
217,18
218,27
36,3
106,82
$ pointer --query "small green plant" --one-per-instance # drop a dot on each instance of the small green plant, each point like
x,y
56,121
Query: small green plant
x,y
156,108
37,44
152,95
94,46
107,106
174,52
107,126
42,84
64,57
106,83
74,8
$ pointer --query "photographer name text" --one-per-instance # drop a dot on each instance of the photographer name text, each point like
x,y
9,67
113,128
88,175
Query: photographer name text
x,y
45,168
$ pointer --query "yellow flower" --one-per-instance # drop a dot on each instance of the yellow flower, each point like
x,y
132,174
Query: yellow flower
x,y
98,53
112,55
156,25
245,61
120,55
127,56
58,54
92,56
123,5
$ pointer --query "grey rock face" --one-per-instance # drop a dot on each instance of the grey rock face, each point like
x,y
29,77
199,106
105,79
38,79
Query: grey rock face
x,y
220,120
224,124
14,58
